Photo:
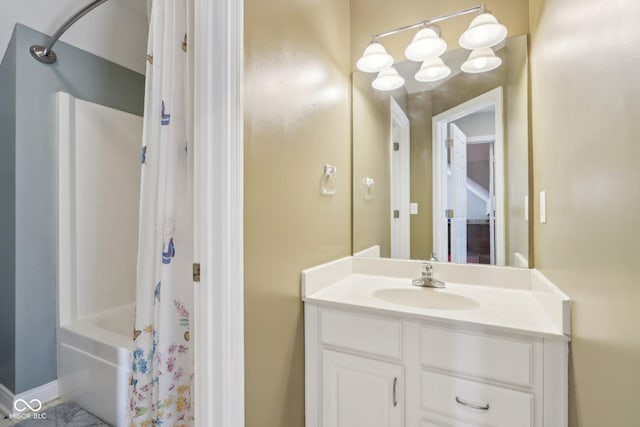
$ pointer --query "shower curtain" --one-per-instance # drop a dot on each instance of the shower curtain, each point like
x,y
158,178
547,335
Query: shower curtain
x,y
160,391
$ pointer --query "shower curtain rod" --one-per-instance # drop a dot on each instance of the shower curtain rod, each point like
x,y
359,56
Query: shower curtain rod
x,y
44,54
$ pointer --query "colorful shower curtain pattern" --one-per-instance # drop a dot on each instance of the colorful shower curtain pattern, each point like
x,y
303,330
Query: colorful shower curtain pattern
x,y
160,391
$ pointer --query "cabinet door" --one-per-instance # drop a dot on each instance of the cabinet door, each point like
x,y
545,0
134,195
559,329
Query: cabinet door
x,y
358,391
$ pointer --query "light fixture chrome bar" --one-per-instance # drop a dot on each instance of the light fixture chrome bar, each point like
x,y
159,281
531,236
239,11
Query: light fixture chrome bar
x,y
44,54
431,21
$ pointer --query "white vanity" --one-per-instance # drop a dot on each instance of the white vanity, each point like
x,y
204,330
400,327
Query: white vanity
x,y
489,350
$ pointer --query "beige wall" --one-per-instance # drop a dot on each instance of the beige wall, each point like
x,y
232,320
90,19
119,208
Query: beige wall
x,y
297,118
585,105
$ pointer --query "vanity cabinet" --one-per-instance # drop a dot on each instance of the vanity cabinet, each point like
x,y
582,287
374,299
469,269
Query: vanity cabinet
x,y
365,368
360,391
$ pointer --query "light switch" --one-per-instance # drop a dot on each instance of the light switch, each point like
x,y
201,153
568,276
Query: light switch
x,y
413,209
543,207
526,208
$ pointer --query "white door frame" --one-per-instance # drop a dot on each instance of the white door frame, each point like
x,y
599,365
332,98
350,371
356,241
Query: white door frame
x,y
400,164
439,144
218,150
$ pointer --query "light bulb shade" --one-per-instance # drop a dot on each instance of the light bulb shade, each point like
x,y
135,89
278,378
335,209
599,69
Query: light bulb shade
x,y
484,31
375,58
388,79
432,70
426,44
481,60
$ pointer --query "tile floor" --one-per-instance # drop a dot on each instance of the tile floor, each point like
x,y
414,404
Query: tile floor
x,y
58,414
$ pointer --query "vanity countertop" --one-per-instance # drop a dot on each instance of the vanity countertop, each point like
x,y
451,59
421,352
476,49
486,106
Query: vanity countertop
x,y
505,299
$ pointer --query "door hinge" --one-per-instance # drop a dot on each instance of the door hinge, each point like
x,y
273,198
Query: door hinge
x,y
396,213
448,213
196,271
396,146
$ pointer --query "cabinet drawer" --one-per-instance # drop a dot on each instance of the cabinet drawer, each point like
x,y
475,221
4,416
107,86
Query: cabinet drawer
x,y
454,397
373,335
479,356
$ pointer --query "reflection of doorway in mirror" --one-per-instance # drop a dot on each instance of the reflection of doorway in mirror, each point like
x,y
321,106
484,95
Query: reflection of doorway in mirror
x,y
400,182
471,192
469,182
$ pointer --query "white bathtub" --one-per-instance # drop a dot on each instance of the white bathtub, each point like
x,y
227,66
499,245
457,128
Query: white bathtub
x,y
98,198
94,363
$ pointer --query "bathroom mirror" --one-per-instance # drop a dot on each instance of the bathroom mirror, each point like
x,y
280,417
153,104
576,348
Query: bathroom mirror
x,y
464,198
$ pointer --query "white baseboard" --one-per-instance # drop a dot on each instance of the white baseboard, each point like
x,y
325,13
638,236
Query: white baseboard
x,y
6,400
45,394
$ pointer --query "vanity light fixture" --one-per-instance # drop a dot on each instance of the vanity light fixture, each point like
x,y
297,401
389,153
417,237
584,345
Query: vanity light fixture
x,y
484,32
432,70
375,58
388,79
481,60
426,44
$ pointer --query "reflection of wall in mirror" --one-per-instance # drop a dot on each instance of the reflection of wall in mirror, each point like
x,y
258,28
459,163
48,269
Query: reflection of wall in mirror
x,y
372,148
516,134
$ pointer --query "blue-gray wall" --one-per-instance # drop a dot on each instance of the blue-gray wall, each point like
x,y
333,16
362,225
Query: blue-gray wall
x,y
7,215
84,76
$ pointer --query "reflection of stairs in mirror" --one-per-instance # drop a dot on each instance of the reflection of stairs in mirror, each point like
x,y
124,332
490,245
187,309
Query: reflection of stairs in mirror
x,y
474,190
478,242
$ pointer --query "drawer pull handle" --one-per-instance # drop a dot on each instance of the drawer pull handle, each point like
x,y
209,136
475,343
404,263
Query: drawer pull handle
x,y
395,396
472,405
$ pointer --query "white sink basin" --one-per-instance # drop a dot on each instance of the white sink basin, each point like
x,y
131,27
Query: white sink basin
x,y
427,298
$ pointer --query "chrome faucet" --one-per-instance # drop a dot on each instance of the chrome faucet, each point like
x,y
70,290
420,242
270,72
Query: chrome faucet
x,y
426,279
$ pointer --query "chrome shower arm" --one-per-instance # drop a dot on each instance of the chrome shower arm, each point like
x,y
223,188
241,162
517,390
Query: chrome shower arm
x,y
45,54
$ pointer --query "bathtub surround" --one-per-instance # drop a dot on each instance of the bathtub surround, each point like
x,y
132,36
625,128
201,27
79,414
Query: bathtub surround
x,y
98,178
28,266
160,389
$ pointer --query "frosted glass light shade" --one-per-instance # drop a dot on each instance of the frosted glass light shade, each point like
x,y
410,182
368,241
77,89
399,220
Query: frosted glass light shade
x,y
426,44
481,60
432,70
375,58
484,31
388,79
